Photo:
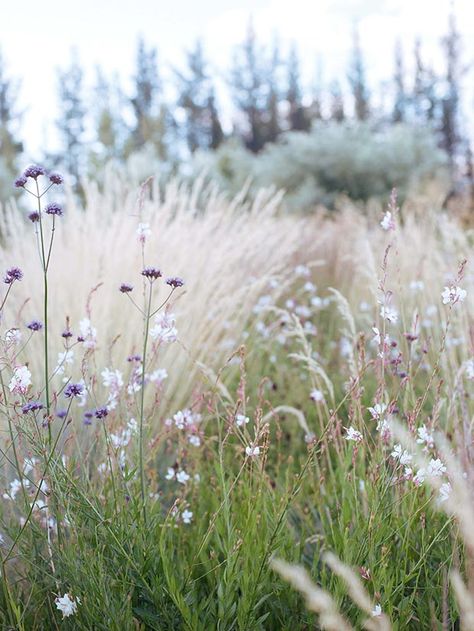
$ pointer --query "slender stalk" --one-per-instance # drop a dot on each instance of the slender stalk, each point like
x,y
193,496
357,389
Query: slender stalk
x,y
142,401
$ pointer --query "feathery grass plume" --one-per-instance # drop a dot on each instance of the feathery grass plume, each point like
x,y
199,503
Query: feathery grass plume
x,y
465,601
316,599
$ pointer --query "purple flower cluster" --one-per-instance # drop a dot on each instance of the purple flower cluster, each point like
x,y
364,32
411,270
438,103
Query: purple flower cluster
x,y
56,178
21,181
12,274
35,325
34,216
88,416
53,209
32,406
152,273
34,171
126,288
73,390
101,413
175,282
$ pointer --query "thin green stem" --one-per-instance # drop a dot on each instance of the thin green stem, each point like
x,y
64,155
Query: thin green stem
x,y
142,401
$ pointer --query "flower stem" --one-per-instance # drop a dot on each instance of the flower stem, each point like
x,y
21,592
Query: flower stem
x,y
142,402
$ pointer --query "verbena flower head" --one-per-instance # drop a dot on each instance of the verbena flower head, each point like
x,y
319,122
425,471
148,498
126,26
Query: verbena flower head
x,y
53,209
34,216
126,288
73,390
32,406
35,325
175,282
56,178
101,413
13,274
34,171
66,333
88,416
152,273
21,181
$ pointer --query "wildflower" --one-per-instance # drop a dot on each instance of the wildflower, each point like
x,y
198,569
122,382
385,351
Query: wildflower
x,y
158,376
101,413
469,369
424,437
316,395
66,334
67,605
73,390
53,209
61,413
401,455
12,274
187,516
417,285
436,468
32,406
444,492
88,333
182,477
112,378
20,181
56,178
241,420
194,440
388,222
88,416
419,478
378,337
64,358
132,425
390,314
376,611
353,434
152,273
302,270
21,380
34,216
453,294
170,474
384,429
175,282
15,486
34,171
252,452
126,288
35,325
13,336
377,410
143,231
164,330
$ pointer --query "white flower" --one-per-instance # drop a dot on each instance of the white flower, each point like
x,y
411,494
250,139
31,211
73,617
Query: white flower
x,y
122,440
436,468
390,314
402,455
88,332
66,358
376,611
179,419
132,426
384,429
165,330
453,294
444,492
13,336
353,434
309,287
158,376
15,486
182,477
170,474
143,231
419,477
187,516
377,410
378,337
20,381
388,223
252,452
241,420
316,395
112,379
469,368
424,437
417,285
67,605
302,270
194,440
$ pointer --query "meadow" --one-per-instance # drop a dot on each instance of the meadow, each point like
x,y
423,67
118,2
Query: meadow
x,y
217,415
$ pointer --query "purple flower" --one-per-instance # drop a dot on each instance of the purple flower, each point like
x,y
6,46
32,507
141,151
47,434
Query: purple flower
x,y
34,171
66,333
134,358
12,274
73,390
88,418
61,413
34,216
35,325
151,273
175,282
125,288
101,412
53,209
56,178
20,181
80,338
32,406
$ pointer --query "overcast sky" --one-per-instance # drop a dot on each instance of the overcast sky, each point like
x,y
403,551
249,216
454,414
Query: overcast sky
x,y
36,37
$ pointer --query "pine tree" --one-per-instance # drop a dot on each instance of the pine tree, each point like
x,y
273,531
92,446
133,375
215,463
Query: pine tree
x,y
424,100
450,101
399,108
71,123
273,124
337,112
196,97
357,81
10,146
110,130
298,116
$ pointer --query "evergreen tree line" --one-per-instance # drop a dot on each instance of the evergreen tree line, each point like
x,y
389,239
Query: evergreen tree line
x,y
267,96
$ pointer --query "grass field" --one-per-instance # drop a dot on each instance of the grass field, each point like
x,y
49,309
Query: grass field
x,y
285,444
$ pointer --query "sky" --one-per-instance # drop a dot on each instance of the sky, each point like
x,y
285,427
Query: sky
x,y
37,37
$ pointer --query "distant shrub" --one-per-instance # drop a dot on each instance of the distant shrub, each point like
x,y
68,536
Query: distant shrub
x,y
314,168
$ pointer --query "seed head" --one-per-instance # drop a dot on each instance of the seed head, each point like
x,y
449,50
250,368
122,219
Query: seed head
x,y
152,273
34,171
53,209
12,274
175,282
